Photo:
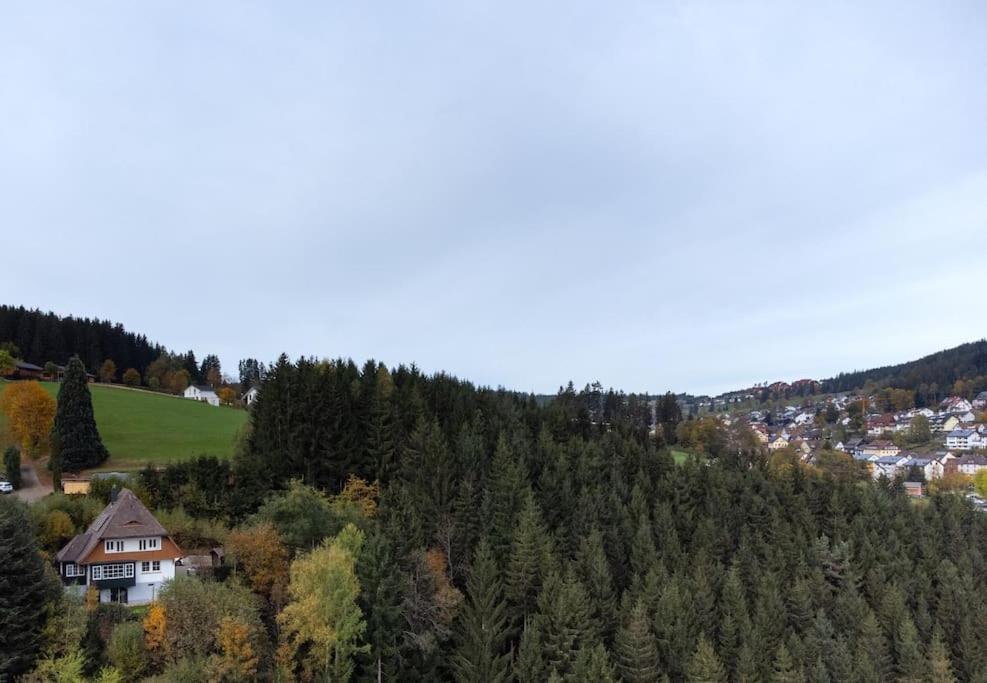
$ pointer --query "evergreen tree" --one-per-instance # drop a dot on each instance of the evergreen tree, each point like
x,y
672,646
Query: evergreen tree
x,y
734,623
939,667
635,647
593,665
25,588
595,571
705,666
565,621
481,653
380,600
75,440
530,666
909,663
528,561
784,670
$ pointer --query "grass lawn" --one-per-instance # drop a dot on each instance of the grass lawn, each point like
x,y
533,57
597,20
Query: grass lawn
x,y
140,426
680,457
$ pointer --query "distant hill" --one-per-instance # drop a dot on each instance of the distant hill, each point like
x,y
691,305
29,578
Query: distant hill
x,y
934,374
139,427
41,336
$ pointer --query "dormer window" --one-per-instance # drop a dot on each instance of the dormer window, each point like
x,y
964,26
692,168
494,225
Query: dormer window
x,y
114,546
148,544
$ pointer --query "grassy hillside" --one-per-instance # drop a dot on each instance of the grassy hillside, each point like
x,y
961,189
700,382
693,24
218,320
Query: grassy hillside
x,y
139,426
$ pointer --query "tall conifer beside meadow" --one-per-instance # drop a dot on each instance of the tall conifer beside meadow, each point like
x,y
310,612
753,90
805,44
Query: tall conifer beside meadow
x,y
75,440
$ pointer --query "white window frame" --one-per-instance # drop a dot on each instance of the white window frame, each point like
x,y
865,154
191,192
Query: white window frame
x,y
72,569
148,544
151,567
104,572
113,546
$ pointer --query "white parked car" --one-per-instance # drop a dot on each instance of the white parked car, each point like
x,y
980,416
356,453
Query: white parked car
x,y
6,487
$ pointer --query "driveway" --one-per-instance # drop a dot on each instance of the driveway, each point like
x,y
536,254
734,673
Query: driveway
x,y
31,489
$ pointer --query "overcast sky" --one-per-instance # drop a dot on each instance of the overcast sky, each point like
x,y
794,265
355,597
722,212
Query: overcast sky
x,y
660,195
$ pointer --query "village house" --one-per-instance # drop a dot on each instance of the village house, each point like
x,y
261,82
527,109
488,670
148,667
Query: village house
x,y
944,423
880,424
889,466
955,404
22,370
878,449
777,443
202,392
964,440
930,467
125,554
968,464
250,396
980,402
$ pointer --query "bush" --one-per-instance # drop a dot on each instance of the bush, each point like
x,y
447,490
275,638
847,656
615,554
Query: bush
x,y
131,377
12,465
126,650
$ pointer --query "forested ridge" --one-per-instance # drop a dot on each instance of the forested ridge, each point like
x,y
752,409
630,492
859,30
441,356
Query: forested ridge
x,y
517,542
40,337
932,375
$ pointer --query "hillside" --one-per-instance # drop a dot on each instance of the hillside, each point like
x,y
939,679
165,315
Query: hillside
x,y
942,369
139,426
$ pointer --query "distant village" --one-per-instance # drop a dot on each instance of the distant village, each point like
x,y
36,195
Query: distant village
x,y
919,445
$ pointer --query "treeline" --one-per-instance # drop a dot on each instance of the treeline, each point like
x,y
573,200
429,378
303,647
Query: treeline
x,y
933,377
40,337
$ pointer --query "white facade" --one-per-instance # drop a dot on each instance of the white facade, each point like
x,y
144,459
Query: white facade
x,y
250,396
139,580
198,393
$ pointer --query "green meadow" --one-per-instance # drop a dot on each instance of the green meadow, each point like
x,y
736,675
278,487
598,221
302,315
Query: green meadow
x,y
139,427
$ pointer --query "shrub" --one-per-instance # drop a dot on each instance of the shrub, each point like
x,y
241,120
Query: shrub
x,y
12,465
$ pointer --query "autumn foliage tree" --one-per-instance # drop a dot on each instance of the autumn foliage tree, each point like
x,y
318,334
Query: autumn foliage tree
x,y
107,371
131,377
323,624
259,551
30,412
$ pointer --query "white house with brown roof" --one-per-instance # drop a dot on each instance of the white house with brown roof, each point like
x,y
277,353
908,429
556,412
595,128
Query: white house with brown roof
x,y
125,554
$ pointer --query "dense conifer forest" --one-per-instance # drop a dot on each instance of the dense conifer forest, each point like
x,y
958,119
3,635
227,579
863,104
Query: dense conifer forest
x,y
562,543
40,337
932,376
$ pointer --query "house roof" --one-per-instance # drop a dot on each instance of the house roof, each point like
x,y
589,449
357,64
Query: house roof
x,y
21,365
204,388
126,517
960,433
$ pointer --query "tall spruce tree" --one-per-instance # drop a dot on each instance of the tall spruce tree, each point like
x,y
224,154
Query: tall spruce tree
x,y
637,653
75,440
25,589
705,666
482,653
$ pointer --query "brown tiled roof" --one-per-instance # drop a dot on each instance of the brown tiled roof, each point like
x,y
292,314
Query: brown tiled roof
x,y
126,517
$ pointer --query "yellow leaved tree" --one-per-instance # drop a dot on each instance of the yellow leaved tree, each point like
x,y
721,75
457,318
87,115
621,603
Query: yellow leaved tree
x,y
30,412
322,624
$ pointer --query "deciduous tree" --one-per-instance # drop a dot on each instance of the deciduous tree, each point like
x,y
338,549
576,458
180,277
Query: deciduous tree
x,y
131,377
322,624
107,371
30,412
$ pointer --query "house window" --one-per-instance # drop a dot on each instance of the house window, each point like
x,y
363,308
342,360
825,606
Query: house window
x,y
150,567
113,571
148,544
114,546
72,569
